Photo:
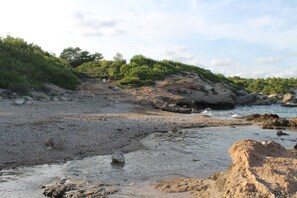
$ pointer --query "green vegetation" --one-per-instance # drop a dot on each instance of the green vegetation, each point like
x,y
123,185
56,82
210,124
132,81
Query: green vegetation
x,y
267,85
76,57
25,66
143,71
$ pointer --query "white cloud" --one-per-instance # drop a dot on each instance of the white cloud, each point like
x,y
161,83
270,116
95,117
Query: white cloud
x,y
178,53
90,26
221,62
269,60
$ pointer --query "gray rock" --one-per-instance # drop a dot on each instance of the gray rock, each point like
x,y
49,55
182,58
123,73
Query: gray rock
x,y
74,188
40,96
247,99
19,101
56,99
118,157
280,132
64,98
28,98
50,142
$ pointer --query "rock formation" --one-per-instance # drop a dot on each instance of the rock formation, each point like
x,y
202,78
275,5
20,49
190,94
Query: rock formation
x,y
260,169
70,188
187,94
271,121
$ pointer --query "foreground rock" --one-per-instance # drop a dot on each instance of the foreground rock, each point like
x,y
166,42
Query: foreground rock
x,y
260,169
70,188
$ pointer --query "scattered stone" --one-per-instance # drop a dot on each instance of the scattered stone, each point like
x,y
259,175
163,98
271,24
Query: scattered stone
x,y
50,142
56,99
118,157
280,132
64,98
19,101
40,96
174,129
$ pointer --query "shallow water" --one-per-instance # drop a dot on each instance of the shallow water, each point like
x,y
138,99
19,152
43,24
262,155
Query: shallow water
x,y
193,153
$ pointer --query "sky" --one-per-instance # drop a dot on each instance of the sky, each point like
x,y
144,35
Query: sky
x,y
250,38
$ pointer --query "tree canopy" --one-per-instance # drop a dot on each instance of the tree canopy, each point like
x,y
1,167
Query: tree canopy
x,y
265,85
76,56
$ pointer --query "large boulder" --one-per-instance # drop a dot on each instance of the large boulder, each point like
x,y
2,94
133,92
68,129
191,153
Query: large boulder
x,y
253,99
289,98
246,100
259,169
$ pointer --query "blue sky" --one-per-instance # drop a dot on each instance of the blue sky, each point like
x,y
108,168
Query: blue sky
x,y
251,38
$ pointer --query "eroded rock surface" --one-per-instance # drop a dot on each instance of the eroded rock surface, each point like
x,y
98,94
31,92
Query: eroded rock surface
x,y
71,188
271,121
260,169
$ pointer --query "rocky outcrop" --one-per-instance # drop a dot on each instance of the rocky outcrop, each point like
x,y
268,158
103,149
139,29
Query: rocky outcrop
x,y
70,188
289,100
186,94
259,169
254,99
271,121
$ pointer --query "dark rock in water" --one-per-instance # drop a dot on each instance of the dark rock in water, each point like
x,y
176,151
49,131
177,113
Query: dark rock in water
x,y
269,121
280,132
289,104
295,147
118,157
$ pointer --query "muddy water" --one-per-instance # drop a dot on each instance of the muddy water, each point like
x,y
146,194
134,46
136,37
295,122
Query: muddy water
x,y
189,153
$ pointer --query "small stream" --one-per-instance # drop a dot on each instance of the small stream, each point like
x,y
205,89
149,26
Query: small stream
x,y
188,153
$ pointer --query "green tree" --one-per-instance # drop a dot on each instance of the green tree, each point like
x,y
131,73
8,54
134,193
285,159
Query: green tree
x,y
76,57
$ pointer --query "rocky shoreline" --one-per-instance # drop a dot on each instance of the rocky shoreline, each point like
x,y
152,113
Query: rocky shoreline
x,y
100,119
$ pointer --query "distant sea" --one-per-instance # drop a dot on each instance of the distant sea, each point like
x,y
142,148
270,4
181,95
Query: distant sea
x,y
284,112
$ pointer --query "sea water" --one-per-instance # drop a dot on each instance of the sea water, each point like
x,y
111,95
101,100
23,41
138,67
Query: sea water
x,y
284,112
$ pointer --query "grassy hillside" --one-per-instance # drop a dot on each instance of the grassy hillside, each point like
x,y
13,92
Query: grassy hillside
x,y
25,66
143,71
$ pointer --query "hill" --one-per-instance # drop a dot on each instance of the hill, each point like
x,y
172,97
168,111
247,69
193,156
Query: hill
x,y
26,66
142,71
